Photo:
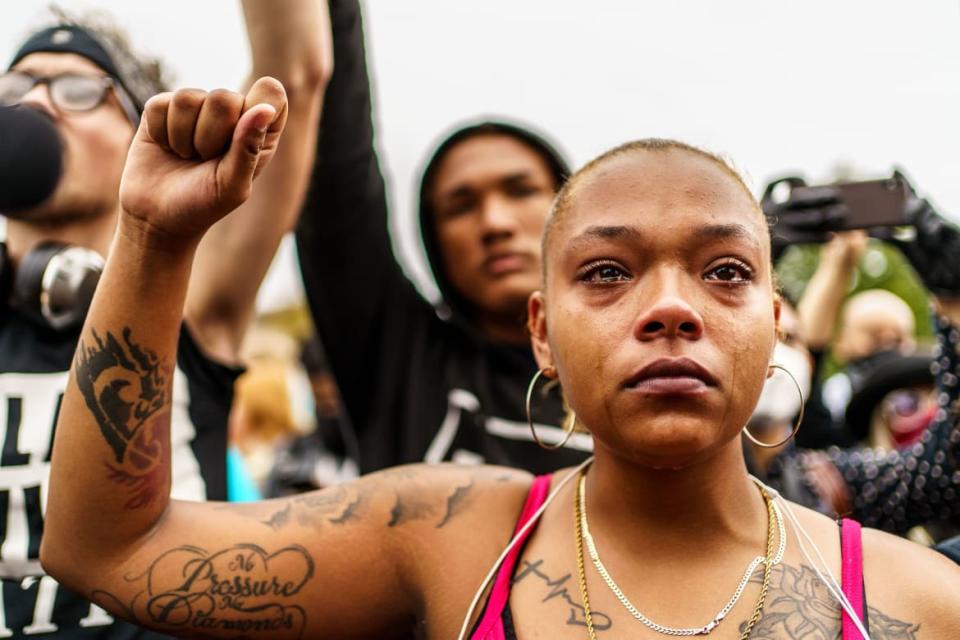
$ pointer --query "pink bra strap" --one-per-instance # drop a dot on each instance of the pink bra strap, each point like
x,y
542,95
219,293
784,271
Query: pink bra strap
x,y
851,579
490,626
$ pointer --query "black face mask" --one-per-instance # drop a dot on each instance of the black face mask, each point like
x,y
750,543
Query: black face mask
x,y
31,159
859,369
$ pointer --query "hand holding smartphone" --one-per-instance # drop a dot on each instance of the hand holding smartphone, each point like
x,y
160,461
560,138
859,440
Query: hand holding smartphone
x,y
817,210
802,214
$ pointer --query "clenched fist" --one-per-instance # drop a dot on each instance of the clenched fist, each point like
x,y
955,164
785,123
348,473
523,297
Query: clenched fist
x,y
196,154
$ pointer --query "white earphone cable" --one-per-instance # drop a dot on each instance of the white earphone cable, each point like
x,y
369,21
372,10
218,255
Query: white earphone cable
x,y
825,576
513,542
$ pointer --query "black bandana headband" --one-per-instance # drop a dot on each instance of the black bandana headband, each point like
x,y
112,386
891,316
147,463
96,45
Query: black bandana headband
x,y
68,38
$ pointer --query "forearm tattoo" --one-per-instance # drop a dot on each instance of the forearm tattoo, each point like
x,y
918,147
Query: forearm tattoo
x,y
126,388
241,588
799,607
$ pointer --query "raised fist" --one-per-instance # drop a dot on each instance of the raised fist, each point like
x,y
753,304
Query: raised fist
x,y
196,154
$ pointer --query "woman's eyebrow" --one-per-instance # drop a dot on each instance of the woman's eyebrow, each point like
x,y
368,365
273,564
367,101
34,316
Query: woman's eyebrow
x,y
714,232
706,233
604,232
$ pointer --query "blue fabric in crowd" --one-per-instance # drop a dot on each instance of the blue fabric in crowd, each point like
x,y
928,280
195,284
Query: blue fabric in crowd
x,y
950,548
240,485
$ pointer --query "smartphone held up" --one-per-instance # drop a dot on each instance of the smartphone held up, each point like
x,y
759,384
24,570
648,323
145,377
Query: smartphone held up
x,y
799,213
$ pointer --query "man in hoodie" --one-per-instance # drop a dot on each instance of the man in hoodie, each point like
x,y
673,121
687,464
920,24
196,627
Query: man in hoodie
x,y
421,383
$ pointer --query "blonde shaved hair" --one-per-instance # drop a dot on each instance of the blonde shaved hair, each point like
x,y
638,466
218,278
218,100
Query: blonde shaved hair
x,y
566,194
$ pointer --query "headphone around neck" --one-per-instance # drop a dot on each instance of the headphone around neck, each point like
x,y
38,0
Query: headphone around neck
x,y
53,285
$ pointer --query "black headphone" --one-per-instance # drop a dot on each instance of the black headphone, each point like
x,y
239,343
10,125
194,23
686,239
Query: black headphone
x,y
53,284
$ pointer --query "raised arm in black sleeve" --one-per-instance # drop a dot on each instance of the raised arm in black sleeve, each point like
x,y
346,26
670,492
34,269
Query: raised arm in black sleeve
x,y
364,307
414,386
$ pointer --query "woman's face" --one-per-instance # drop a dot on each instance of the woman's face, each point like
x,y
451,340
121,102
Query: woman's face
x,y
658,311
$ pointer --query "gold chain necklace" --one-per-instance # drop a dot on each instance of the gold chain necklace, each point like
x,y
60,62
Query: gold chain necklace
x,y
659,628
771,558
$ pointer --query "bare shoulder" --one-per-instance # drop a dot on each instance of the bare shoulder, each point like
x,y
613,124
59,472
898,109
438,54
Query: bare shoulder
x,y
418,501
912,592
451,523
913,578
442,496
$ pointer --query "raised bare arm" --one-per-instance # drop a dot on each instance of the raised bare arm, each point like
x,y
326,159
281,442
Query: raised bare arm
x,y
341,563
821,302
289,40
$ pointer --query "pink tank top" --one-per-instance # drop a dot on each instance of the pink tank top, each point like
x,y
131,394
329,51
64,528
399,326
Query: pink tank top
x,y
851,577
491,626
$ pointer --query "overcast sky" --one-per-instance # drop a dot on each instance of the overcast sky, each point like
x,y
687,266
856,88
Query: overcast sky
x,y
776,86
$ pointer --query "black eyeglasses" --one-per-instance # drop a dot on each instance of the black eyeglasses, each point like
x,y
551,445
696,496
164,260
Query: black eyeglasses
x,y
71,92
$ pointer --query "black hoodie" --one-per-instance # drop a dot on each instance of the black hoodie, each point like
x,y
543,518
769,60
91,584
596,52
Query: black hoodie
x,y
416,387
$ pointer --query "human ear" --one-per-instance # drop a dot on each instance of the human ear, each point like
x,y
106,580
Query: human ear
x,y
537,325
777,306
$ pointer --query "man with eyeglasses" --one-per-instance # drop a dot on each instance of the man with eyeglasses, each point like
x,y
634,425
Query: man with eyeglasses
x,y
83,81
76,92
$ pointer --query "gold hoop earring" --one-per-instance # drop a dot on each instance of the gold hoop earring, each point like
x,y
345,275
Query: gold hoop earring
x,y
533,430
796,426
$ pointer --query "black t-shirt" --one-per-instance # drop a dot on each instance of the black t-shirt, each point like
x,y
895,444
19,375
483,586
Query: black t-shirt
x,y
415,387
33,374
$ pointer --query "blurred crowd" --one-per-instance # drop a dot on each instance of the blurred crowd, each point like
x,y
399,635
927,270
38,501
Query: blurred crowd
x,y
859,417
